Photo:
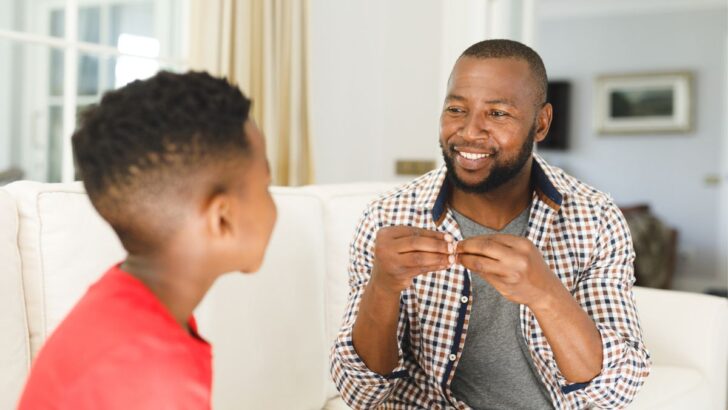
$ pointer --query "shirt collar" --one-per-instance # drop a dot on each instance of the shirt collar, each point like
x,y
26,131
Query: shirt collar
x,y
550,188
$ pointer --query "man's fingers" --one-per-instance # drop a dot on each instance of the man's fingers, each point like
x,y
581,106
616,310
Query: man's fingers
x,y
423,244
511,241
427,269
480,264
485,245
404,231
419,259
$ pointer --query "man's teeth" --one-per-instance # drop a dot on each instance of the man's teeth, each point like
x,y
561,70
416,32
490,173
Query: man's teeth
x,y
469,155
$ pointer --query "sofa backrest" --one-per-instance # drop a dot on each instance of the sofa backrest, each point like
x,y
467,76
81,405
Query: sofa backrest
x,y
64,246
267,328
270,331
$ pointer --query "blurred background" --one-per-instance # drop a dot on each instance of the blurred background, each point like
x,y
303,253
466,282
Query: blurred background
x,y
351,90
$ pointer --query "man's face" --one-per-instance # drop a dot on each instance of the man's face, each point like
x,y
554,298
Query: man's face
x,y
489,122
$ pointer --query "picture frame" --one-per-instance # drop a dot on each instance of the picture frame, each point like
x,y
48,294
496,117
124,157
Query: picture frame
x,y
644,103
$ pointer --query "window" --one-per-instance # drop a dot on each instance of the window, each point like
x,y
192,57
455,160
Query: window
x,y
59,56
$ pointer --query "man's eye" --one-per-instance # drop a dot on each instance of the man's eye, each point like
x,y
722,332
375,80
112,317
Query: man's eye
x,y
498,113
455,110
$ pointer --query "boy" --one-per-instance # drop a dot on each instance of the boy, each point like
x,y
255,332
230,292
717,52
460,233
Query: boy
x,y
179,171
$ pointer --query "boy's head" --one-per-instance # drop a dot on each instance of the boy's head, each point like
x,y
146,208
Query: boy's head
x,y
174,161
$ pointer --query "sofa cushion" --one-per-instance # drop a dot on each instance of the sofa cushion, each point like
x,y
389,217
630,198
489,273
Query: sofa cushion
x,y
14,343
336,403
670,322
267,328
64,247
674,387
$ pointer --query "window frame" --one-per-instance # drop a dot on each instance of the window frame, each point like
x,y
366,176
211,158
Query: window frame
x,y
37,32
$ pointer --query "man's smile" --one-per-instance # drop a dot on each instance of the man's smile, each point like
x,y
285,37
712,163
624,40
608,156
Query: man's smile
x,y
471,159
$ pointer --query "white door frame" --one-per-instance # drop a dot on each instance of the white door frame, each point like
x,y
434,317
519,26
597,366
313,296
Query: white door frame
x,y
723,244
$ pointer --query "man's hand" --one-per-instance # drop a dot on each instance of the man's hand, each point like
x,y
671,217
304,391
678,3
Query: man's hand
x,y
400,254
511,264
403,252
516,269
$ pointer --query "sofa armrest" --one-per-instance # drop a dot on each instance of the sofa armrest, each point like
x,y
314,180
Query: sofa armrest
x,y
687,330
14,343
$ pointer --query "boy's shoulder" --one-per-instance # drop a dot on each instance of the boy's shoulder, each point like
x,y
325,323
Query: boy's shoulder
x,y
146,372
114,310
117,339
140,374
119,312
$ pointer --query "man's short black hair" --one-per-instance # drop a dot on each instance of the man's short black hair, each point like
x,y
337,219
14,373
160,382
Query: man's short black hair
x,y
147,147
512,49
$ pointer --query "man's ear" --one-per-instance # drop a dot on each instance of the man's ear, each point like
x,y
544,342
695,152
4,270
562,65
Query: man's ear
x,y
219,215
543,121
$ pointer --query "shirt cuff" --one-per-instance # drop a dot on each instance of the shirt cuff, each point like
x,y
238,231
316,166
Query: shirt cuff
x,y
613,350
356,368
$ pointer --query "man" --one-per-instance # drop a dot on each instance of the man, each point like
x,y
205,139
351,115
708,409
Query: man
x,y
496,281
178,169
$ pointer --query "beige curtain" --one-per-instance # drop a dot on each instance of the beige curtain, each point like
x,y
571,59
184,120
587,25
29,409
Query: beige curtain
x,y
262,46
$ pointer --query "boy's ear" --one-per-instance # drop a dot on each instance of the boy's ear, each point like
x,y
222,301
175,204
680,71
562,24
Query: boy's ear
x,y
219,216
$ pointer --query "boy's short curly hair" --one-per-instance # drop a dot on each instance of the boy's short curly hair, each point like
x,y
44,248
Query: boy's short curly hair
x,y
147,148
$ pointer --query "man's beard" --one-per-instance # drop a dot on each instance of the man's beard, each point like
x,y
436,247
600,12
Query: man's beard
x,y
499,175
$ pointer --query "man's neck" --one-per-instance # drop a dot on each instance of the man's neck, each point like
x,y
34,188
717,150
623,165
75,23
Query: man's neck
x,y
179,286
495,209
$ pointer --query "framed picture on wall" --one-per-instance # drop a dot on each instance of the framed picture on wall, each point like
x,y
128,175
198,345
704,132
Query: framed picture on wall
x,y
644,103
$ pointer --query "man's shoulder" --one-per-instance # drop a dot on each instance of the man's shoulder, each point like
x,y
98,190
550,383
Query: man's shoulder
x,y
577,194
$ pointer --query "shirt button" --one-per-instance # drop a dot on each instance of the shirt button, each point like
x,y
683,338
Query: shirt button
x,y
452,357
464,299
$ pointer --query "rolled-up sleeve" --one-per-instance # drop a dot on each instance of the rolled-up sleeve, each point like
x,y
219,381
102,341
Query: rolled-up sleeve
x,y
360,387
605,292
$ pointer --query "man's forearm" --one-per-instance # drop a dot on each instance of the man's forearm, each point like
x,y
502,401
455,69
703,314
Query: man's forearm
x,y
375,330
572,335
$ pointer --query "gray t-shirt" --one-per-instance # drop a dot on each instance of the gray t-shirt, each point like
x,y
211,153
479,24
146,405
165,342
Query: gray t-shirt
x,y
495,370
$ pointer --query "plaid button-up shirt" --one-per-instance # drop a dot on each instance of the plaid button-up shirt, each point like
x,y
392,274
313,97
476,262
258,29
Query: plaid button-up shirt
x,y
584,239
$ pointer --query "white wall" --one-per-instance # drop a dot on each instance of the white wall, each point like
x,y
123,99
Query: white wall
x,y
378,74
375,71
346,39
667,172
412,81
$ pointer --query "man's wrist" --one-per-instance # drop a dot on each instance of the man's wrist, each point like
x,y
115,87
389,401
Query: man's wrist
x,y
550,299
380,290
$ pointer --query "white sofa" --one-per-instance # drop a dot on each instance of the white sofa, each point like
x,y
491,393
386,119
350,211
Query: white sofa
x,y
271,331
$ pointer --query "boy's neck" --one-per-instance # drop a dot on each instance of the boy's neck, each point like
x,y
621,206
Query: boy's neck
x,y
178,284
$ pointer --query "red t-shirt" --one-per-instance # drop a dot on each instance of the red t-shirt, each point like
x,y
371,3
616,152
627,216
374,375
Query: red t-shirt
x,y
120,348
